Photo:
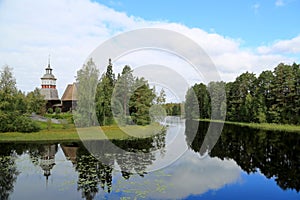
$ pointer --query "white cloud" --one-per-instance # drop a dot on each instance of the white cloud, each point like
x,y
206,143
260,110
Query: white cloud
x,y
189,176
279,3
291,46
71,30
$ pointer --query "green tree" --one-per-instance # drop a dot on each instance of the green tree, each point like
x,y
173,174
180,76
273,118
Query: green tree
x,y
263,96
87,80
284,94
161,98
124,88
191,105
217,99
13,105
36,102
104,96
238,91
141,101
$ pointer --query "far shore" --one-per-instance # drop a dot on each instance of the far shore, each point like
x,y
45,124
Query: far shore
x,y
262,126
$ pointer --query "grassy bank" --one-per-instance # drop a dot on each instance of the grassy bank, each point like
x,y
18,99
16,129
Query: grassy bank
x,y
59,132
262,126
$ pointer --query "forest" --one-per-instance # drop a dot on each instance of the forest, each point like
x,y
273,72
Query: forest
x,y
270,97
107,100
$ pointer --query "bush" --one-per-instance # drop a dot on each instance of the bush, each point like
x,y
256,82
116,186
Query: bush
x,y
66,116
50,110
25,125
57,110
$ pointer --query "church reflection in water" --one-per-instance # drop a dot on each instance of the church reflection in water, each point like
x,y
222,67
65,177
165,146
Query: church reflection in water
x,y
47,159
275,154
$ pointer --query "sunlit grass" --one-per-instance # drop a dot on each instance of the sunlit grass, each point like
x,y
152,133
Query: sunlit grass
x,y
59,132
262,126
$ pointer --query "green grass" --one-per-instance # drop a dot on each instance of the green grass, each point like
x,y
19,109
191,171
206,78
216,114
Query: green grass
x,y
262,126
59,133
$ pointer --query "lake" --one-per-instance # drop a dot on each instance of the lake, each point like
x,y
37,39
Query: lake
x,y
181,163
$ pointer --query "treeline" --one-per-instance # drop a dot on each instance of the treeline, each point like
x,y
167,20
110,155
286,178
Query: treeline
x,y
272,97
123,99
15,105
172,109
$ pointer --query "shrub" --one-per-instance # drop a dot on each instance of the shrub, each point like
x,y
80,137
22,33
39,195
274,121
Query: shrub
x,y
25,125
57,110
50,110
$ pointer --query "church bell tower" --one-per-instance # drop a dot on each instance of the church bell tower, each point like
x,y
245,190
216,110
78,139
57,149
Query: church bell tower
x,y
49,88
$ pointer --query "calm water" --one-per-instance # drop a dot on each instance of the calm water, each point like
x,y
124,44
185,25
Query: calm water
x,y
243,164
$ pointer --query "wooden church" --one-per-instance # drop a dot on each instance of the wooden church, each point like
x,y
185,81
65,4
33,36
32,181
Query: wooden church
x,y
50,93
49,88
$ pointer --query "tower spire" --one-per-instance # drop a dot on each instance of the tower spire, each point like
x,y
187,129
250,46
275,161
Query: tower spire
x,y
49,61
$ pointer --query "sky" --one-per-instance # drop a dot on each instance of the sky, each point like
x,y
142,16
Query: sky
x,y
238,36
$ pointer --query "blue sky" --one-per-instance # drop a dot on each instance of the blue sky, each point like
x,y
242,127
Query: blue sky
x,y
237,35
254,22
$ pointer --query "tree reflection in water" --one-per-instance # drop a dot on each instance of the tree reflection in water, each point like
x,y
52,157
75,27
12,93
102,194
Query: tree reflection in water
x,y
132,156
275,154
8,171
94,172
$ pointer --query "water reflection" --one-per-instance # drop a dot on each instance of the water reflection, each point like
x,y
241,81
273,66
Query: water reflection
x,y
69,165
8,171
274,154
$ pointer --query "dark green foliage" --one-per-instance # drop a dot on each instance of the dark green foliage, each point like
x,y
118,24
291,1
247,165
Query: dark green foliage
x,y
8,174
103,97
13,106
140,102
197,102
126,99
273,97
274,154
36,102
57,110
172,109
66,116
216,99
25,124
50,111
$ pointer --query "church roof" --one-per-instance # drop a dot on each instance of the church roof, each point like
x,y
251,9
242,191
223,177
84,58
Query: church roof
x,y
50,93
49,76
70,93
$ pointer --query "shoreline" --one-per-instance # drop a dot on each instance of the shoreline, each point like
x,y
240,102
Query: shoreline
x,y
261,126
71,134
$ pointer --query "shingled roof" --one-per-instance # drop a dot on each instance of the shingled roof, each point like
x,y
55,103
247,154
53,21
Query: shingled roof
x,y
49,93
70,93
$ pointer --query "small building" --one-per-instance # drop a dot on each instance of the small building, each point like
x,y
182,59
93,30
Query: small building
x,y
69,98
49,89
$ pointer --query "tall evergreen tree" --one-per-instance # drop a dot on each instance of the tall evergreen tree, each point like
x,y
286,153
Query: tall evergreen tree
x,y
141,101
217,99
103,97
